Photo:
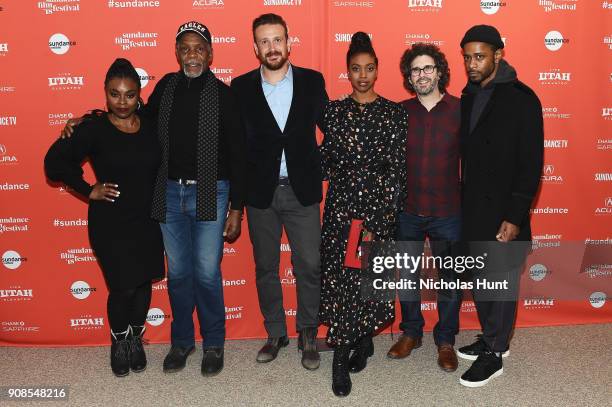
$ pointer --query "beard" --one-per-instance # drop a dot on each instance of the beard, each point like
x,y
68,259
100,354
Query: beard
x,y
273,66
421,89
192,74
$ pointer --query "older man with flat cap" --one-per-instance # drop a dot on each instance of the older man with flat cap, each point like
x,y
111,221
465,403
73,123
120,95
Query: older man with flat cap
x,y
502,154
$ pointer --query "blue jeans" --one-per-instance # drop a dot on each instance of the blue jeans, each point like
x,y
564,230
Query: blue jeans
x,y
194,250
441,232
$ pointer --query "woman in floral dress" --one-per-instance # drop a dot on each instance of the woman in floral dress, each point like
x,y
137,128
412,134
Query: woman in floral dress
x,y
363,155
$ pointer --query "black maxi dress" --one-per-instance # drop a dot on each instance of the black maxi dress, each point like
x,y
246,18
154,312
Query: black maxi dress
x,y
364,159
126,241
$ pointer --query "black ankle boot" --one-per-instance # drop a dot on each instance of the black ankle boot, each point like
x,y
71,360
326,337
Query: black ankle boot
x,y
341,380
359,359
138,359
120,353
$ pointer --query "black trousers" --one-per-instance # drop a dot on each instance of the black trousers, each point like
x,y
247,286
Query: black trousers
x,y
496,306
303,227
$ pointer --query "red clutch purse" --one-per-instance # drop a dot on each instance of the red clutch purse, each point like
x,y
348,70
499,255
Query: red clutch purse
x,y
352,257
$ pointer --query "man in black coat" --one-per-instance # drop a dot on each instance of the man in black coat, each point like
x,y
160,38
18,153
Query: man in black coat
x,y
502,153
281,106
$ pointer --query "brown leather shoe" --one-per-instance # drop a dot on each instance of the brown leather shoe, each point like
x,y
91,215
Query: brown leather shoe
x,y
403,347
447,358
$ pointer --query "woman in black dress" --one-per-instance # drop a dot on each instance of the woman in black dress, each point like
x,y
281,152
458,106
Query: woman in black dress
x,y
363,156
124,153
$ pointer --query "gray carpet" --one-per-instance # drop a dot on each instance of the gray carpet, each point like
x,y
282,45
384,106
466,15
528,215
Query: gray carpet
x,y
553,366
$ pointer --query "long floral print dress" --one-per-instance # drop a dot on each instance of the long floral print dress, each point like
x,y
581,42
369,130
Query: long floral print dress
x,y
364,159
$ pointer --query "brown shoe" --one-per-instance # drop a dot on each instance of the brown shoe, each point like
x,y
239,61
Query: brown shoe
x,y
447,358
403,347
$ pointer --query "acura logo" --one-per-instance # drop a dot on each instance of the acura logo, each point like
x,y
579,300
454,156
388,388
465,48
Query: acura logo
x,y
549,169
609,201
2,149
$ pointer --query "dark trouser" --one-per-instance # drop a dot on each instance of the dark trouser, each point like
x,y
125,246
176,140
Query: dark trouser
x,y
128,307
441,232
497,308
303,227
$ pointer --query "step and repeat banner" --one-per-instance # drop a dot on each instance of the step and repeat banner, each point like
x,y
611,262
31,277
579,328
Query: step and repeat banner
x,y
53,58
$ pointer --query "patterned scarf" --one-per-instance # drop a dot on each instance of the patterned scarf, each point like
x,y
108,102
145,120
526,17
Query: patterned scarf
x,y
208,130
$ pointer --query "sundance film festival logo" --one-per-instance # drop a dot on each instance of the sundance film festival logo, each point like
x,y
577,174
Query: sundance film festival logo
x,y
18,326
412,38
603,177
598,299
608,41
550,176
556,143
12,224
606,209
346,37
364,4
5,157
59,44
12,260
606,113
81,290
127,41
554,113
223,74
425,5
66,82
133,4
156,317
144,77
537,272
295,41
491,7
59,6
207,4
284,247
545,241
86,322
539,303
59,119
233,312
80,255
16,293
554,40
8,120
4,49
555,77
558,5
282,2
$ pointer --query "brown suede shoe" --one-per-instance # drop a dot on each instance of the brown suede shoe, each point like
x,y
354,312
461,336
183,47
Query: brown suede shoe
x,y
403,347
447,358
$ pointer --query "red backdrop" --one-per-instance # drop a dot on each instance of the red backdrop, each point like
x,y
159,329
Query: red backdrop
x,y
53,57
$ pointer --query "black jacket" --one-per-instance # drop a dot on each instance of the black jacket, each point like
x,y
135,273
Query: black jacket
x,y
502,156
265,140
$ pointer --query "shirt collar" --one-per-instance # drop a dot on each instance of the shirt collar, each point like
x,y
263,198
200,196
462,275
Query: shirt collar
x,y
288,76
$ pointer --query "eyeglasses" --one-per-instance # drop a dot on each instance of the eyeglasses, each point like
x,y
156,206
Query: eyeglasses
x,y
428,69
